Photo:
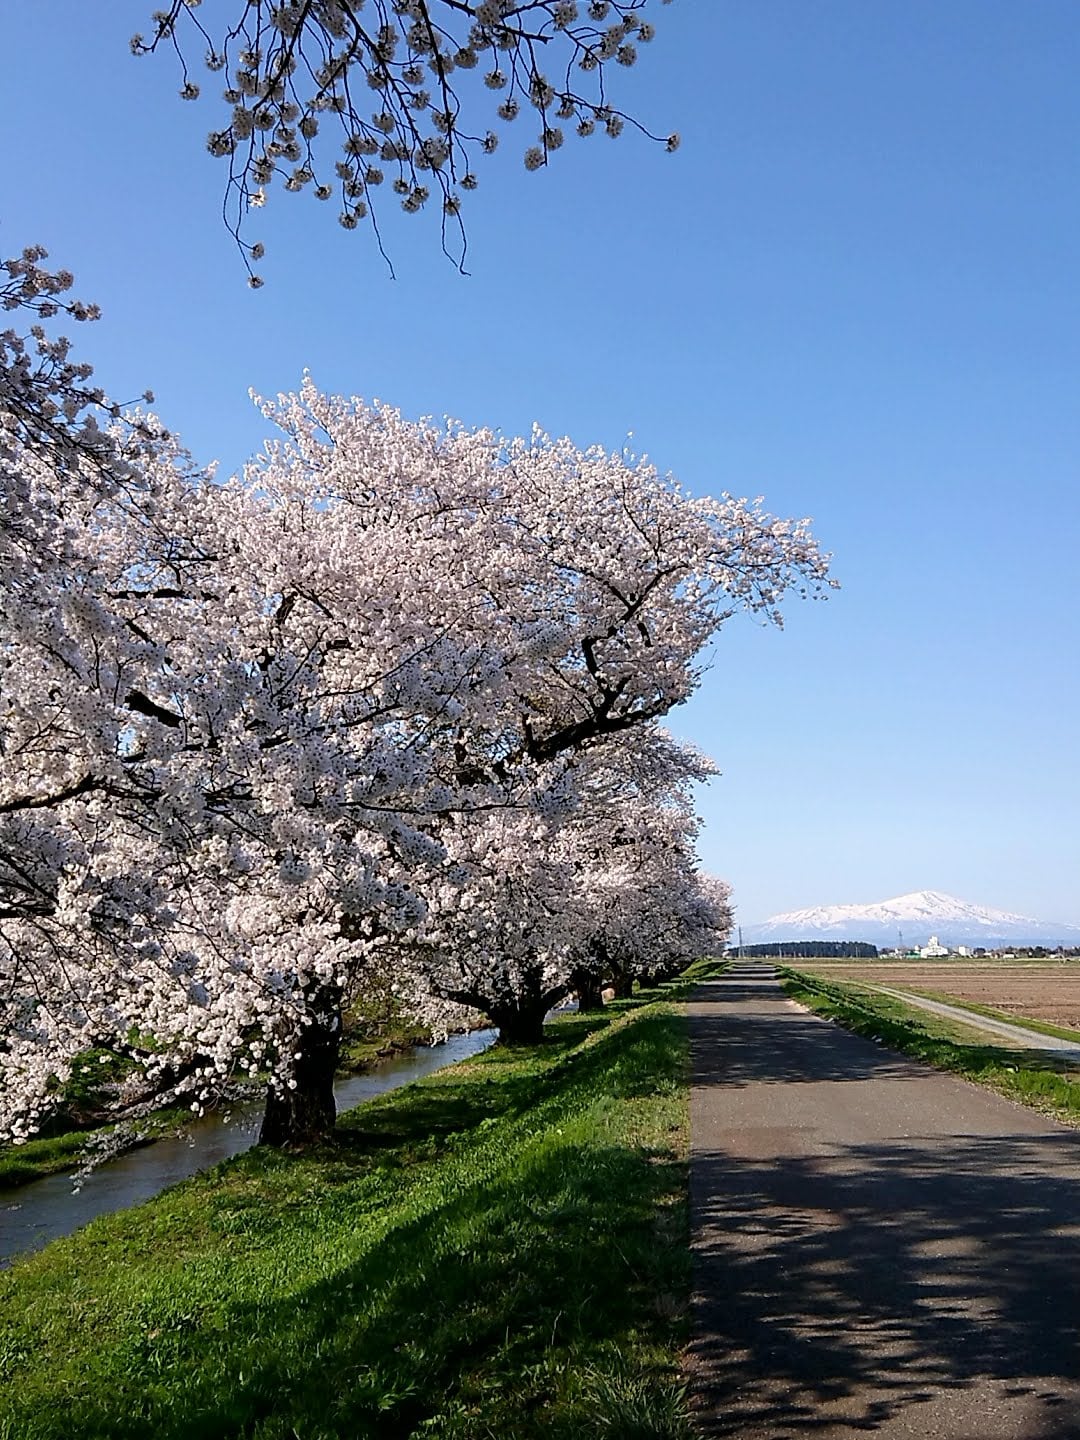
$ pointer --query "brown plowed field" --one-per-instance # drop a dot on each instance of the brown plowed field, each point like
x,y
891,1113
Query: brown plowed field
x,y
1032,989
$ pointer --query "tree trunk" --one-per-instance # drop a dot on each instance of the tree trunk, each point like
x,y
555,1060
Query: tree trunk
x,y
586,985
622,983
652,978
304,1114
520,1017
521,1024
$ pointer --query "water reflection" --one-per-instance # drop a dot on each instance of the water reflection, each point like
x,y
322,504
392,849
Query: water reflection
x,y
34,1214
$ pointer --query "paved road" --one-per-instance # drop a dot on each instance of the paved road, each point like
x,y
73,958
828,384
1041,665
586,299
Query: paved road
x,y
878,1248
1015,1034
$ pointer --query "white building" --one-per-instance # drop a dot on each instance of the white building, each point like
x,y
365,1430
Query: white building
x,y
934,951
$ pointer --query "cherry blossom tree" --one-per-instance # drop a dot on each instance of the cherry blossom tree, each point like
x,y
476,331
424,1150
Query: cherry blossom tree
x,y
565,597
599,881
69,669
435,74
652,910
286,719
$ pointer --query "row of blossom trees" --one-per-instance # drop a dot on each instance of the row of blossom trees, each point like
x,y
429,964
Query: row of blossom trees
x,y
388,701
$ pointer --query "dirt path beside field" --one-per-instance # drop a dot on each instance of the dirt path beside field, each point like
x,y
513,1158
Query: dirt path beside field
x,y
1023,1038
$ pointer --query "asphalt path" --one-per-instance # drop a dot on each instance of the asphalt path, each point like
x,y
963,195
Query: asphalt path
x,y
878,1248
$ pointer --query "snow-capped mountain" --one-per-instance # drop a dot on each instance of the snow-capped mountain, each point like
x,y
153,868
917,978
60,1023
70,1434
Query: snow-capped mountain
x,y
917,916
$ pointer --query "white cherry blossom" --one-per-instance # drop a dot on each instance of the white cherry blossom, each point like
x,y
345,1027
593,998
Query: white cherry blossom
x,y
387,701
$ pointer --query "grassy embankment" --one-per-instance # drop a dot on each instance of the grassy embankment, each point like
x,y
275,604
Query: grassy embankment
x,y
1032,1077
20,1164
498,1251
53,1154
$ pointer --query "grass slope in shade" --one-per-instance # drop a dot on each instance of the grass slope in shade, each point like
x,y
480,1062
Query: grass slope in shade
x,y
498,1251
1032,1077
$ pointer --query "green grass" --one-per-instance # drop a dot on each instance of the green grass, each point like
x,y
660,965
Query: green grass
x,y
498,1251
19,1164
1031,1077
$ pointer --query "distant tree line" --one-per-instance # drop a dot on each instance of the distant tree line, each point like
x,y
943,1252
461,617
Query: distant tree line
x,y
1037,952
811,950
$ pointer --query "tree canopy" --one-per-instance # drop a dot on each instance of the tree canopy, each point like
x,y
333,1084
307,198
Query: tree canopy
x,y
388,699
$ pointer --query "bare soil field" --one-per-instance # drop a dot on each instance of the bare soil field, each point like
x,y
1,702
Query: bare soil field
x,y
1033,989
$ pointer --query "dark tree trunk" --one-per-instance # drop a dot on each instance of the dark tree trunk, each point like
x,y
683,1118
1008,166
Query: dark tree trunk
x,y
305,1115
622,983
521,1024
520,1017
652,978
586,985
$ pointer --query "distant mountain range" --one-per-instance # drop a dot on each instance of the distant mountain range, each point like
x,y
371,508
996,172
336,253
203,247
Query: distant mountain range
x,y
917,916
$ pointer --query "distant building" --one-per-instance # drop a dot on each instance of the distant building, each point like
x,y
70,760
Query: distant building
x,y
964,951
934,951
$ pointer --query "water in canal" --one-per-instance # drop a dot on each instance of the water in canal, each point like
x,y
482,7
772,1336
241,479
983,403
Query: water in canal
x,y
34,1214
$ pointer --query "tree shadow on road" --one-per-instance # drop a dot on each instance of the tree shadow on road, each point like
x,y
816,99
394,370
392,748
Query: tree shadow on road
x,y
740,1047
929,1284
868,1281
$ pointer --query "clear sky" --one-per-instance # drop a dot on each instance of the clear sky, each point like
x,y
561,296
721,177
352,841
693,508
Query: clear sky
x,y
853,290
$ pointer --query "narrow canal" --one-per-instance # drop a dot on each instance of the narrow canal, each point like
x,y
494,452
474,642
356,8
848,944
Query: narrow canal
x,y
34,1214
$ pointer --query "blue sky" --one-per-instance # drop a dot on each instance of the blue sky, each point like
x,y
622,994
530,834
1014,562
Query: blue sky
x,y
854,290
